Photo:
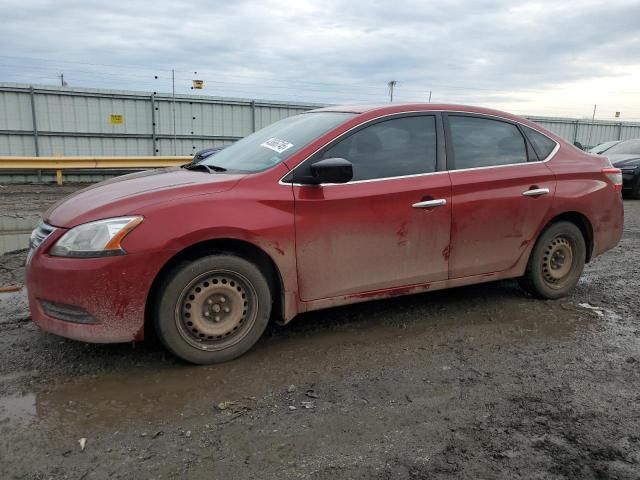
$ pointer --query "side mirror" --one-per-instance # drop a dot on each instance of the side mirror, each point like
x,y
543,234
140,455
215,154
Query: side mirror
x,y
329,170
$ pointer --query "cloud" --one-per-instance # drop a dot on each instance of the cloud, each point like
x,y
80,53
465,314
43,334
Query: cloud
x,y
495,52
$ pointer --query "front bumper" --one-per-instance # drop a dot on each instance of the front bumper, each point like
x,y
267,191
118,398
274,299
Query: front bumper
x,y
113,291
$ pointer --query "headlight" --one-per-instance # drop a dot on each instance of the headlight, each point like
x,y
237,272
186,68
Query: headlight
x,y
95,239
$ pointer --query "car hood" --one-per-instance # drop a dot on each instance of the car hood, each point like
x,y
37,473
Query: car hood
x,y
128,194
620,160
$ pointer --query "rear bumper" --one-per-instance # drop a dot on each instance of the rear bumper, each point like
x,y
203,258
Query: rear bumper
x,y
112,291
608,225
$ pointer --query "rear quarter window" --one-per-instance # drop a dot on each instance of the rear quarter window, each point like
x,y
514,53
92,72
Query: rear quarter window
x,y
542,144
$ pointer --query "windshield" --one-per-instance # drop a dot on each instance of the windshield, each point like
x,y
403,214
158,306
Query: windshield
x,y
603,146
277,142
628,147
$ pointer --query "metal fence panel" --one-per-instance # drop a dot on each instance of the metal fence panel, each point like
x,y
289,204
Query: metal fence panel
x,y
58,145
80,114
76,121
18,145
630,131
15,111
563,129
189,146
601,133
268,115
202,119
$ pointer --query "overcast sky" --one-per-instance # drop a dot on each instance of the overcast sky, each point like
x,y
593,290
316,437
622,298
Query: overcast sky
x,y
555,58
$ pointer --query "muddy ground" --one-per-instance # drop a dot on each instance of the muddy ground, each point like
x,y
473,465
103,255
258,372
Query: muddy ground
x,y
476,382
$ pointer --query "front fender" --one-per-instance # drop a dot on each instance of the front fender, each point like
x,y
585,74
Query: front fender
x,y
252,213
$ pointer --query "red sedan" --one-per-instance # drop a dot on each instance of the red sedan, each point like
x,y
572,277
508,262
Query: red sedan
x,y
334,206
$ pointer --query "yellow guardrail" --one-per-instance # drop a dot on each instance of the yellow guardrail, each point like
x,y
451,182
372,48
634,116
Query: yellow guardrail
x,y
65,163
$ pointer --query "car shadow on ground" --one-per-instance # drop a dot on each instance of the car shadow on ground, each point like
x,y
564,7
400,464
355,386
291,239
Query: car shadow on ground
x,y
403,310
479,305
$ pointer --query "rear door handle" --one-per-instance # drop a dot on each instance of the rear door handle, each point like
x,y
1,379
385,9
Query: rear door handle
x,y
535,192
440,202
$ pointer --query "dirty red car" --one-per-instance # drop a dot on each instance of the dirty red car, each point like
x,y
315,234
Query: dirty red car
x,y
330,207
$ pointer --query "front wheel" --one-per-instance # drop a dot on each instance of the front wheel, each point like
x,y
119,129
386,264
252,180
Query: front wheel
x,y
556,262
213,309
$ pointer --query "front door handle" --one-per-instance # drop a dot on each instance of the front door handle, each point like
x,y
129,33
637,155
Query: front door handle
x,y
535,192
440,202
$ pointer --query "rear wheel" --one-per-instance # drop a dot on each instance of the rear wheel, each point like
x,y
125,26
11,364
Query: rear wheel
x,y
556,263
213,309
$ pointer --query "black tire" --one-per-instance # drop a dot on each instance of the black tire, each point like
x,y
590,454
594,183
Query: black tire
x,y
212,309
556,263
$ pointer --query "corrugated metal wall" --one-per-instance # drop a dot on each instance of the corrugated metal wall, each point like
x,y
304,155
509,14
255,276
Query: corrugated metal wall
x,y
52,121
589,133
70,121
79,121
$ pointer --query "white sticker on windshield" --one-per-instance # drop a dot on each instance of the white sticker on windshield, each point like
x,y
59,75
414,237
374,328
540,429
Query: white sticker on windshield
x,y
277,145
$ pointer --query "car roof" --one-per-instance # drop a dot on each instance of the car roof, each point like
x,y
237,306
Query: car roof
x,y
375,110
384,108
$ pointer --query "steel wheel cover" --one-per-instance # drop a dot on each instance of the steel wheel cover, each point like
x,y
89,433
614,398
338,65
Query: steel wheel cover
x,y
557,262
216,310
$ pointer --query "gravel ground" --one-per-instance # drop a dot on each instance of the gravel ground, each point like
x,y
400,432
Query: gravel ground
x,y
476,382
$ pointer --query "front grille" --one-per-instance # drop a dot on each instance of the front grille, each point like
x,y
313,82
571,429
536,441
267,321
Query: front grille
x,y
40,234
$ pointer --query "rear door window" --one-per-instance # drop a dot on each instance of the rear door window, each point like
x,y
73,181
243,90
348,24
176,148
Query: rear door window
x,y
483,142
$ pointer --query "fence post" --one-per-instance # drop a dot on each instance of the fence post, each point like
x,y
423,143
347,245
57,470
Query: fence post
x,y
575,133
36,142
253,116
620,131
153,124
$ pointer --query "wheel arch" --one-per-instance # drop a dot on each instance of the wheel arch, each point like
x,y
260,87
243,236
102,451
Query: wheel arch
x,y
582,222
241,248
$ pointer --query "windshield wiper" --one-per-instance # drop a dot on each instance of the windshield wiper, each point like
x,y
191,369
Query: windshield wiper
x,y
205,167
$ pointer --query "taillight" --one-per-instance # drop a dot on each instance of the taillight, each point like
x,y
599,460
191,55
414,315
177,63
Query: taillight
x,y
615,176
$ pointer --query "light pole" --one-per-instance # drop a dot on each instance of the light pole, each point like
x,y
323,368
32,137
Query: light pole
x,y
391,85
